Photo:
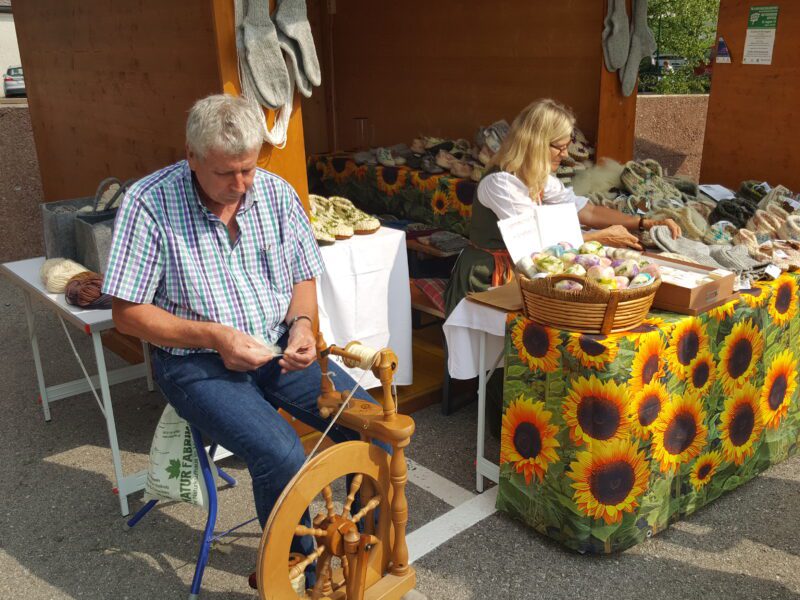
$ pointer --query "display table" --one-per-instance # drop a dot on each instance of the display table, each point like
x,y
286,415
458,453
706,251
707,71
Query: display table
x,y
25,275
606,440
440,200
363,295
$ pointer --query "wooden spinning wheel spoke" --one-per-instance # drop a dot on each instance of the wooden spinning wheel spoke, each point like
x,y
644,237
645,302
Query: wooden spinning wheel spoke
x,y
327,494
303,530
370,506
355,485
301,566
323,586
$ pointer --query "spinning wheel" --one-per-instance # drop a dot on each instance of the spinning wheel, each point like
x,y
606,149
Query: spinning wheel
x,y
358,556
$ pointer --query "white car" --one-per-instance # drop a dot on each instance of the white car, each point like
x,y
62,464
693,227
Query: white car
x,y
14,82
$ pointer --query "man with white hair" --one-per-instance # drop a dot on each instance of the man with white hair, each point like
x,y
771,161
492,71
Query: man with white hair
x,y
211,258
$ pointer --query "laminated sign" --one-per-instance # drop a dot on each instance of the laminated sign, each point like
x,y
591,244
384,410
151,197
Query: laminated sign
x,y
760,41
174,470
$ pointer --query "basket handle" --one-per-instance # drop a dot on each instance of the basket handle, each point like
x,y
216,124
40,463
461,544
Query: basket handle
x,y
105,184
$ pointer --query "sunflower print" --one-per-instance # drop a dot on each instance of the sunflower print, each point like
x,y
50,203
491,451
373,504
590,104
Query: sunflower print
x,y
702,373
780,384
536,345
739,355
754,297
340,169
740,424
650,326
425,182
679,433
647,405
597,410
648,364
783,303
439,202
688,340
593,351
609,480
720,313
528,440
461,193
361,172
391,179
704,468
322,167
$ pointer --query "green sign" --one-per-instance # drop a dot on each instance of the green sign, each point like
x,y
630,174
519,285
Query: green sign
x,y
763,17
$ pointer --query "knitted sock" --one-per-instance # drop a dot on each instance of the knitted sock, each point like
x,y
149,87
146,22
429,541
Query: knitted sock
x,y
295,37
697,251
735,258
643,44
263,56
616,35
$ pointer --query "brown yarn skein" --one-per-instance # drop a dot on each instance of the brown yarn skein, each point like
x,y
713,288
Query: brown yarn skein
x,y
85,290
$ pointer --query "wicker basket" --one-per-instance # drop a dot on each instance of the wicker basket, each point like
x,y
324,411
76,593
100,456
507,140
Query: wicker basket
x,y
590,310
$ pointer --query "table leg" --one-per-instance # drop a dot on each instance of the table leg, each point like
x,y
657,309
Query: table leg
x,y
148,366
481,410
105,392
37,359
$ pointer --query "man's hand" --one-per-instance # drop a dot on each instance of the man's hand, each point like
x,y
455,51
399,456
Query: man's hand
x,y
239,351
616,236
301,350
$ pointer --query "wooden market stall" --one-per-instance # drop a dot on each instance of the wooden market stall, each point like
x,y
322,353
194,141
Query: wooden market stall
x,y
110,85
752,128
445,68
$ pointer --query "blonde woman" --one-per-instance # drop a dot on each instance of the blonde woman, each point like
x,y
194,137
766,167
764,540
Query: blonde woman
x,y
521,175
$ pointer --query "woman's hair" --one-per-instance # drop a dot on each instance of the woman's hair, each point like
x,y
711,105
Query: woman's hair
x,y
224,123
525,151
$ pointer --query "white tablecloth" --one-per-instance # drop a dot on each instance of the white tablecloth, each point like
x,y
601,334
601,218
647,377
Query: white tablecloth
x,y
463,329
364,295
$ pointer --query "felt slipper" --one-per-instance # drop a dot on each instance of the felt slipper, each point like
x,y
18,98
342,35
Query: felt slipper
x,y
460,169
385,157
418,146
429,165
444,159
790,230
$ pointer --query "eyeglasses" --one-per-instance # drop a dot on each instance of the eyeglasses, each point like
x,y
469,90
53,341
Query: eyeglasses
x,y
560,149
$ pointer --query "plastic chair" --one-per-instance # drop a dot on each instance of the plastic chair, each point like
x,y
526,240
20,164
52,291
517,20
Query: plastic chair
x,y
208,534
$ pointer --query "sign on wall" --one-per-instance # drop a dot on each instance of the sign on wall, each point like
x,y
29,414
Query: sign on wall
x,y
760,41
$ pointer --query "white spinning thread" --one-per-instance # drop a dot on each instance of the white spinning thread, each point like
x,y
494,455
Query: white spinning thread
x,y
366,356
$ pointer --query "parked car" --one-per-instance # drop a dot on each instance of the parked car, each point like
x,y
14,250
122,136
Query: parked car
x,y
14,82
676,62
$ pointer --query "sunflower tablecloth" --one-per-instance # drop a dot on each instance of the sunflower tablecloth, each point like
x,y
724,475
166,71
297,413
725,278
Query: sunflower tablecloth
x,y
439,200
607,439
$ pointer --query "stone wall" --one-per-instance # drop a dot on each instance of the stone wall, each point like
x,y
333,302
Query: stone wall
x,y
671,129
20,186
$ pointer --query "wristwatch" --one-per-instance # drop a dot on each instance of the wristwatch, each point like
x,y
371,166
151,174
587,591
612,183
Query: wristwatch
x,y
296,318
641,224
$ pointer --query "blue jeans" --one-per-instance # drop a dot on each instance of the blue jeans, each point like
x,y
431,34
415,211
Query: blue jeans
x,y
240,412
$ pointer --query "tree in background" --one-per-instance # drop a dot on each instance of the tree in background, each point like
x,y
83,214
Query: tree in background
x,y
684,28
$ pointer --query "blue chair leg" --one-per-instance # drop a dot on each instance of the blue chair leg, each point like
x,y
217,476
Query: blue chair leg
x,y
130,523
228,478
208,534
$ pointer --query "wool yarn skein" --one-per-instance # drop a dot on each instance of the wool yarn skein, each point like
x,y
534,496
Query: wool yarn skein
x,y
56,272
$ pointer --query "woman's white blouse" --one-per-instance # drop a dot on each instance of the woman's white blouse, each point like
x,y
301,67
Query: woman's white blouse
x,y
506,196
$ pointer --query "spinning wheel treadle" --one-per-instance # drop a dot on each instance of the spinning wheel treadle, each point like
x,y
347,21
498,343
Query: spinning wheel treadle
x,y
361,556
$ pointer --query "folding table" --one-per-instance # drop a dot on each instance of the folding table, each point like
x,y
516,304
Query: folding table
x,y
25,275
